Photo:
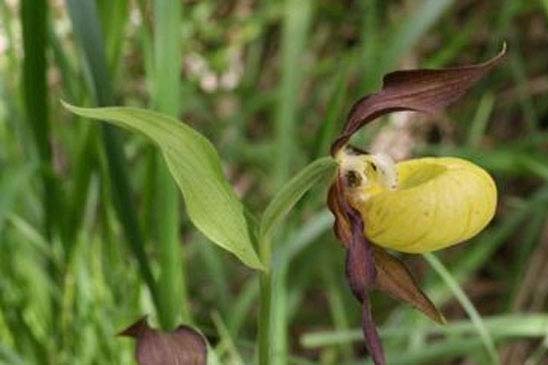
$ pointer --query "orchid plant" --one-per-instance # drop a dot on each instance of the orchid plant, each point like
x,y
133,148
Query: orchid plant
x,y
414,206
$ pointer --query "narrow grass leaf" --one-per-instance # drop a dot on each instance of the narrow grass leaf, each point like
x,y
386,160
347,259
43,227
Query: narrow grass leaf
x,y
34,15
195,165
297,17
166,99
502,327
114,16
479,123
466,304
286,198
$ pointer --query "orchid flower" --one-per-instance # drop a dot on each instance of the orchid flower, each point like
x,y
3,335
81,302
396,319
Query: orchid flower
x,y
415,206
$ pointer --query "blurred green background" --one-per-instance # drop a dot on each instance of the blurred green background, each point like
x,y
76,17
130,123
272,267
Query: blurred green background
x,y
90,220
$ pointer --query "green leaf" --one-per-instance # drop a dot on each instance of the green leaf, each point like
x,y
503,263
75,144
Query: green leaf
x,y
286,198
195,165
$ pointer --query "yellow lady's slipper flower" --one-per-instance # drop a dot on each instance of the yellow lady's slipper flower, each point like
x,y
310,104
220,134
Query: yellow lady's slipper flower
x,y
418,205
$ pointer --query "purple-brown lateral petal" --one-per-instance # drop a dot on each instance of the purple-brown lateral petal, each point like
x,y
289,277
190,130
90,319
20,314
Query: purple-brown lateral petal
x,y
372,339
420,90
184,345
360,267
394,278
341,227
362,276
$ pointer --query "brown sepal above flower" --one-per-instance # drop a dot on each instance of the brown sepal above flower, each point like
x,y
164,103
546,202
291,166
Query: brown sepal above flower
x,y
368,266
422,90
183,345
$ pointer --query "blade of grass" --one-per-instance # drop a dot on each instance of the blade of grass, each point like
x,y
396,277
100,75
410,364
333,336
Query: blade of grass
x,y
34,19
502,327
85,22
335,106
466,304
296,21
242,306
481,118
371,50
166,99
114,16
34,15
226,340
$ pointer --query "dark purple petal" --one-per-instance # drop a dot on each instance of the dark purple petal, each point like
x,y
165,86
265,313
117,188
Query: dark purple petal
x,y
362,276
372,339
184,345
360,267
422,90
341,227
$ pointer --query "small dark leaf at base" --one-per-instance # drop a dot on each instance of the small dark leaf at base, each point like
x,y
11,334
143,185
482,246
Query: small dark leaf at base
x,y
183,346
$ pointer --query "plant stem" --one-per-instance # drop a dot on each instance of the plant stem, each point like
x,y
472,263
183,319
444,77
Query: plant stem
x,y
35,92
295,27
166,98
265,282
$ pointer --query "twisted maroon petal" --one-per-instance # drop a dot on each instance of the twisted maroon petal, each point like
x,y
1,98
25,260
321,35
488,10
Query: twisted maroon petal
x,y
421,90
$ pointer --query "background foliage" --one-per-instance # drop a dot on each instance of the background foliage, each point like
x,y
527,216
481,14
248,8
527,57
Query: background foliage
x,y
93,233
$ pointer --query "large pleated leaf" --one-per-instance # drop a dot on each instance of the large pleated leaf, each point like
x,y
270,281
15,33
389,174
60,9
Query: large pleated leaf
x,y
195,165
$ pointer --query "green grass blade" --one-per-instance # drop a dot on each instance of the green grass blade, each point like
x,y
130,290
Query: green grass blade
x,y
329,128
296,22
466,304
502,327
34,15
114,16
287,197
371,48
166,99
479,123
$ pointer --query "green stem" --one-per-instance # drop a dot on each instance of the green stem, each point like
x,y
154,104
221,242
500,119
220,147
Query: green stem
x,y
35,92
265,282
166,98
295,27
34,14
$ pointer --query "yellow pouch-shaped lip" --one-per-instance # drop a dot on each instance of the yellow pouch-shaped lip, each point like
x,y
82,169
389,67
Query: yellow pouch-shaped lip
x,y
438,202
